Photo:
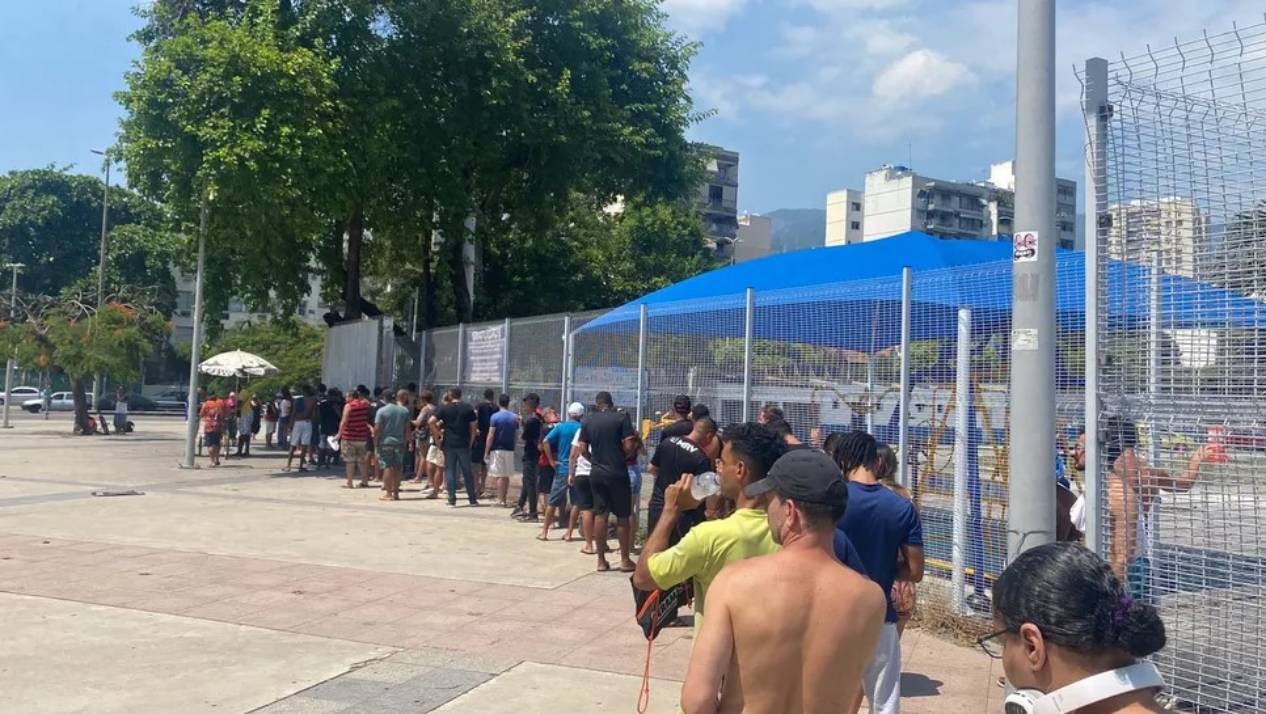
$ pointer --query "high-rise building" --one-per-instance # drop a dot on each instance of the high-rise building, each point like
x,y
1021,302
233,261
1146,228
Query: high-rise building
x,y
897,200
1174,227
755,237
718,196
310,310
845,211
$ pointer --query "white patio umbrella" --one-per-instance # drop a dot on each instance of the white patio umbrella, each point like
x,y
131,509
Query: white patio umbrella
x,y
236,364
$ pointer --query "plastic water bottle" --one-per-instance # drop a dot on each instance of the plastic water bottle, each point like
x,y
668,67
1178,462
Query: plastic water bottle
x,y
704,485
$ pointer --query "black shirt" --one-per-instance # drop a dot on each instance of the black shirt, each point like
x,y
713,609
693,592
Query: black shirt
x,y
605,432
484,413
681,427
677,456
531,438
457,418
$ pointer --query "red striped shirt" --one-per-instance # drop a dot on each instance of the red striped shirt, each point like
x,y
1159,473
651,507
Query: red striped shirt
x,y
357,427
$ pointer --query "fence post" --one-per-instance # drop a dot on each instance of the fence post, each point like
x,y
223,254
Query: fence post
x,y
505,357
641,366
1096,117
423,338
564,391
749,323
962,447
1154,356
461,354
903,402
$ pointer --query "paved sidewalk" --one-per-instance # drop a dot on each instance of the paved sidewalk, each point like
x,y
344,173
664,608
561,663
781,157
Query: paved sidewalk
x,y
243,588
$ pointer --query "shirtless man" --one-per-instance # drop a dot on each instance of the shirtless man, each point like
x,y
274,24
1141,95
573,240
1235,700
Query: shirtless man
x,y
792,631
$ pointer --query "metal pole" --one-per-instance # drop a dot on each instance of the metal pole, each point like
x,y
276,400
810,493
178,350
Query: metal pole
x,y
505,357
903,402
8,364
1031,499
962,448
749,324
461,354
1097,112
101,257
1154,355
564,387
641,366
195,349
423,339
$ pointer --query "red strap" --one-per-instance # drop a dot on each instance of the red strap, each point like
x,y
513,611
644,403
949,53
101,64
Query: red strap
x,y
644,696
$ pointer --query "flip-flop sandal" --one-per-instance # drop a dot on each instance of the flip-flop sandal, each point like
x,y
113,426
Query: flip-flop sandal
x,y
627,568
604,567
542,538
587,552
346,486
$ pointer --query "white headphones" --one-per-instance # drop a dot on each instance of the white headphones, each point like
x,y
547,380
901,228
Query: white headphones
x,y
1084,692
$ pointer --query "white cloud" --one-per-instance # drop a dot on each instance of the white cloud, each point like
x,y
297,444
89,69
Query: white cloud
x,y
698,17
921,74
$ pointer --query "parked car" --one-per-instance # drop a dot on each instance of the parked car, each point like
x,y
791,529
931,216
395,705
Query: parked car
x,y
59,402
21,394
171,400
135,403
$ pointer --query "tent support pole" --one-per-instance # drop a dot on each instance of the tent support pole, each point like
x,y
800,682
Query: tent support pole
x,y
748,325
641,366
903,417
962,448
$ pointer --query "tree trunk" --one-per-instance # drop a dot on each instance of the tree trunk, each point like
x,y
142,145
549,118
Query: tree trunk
x,y
428,286
82,407
454,245
351,288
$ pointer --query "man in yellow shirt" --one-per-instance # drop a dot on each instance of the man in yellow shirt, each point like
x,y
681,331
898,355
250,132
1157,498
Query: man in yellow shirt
x,y
748,451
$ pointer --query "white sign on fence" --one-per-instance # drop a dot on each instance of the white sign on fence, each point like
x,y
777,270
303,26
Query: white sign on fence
x,y
484,351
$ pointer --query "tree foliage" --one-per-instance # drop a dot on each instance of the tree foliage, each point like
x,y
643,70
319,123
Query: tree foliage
x,y
67,334
50,221
293,346
224,105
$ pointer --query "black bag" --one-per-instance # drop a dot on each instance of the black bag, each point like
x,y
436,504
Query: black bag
x,y
654,610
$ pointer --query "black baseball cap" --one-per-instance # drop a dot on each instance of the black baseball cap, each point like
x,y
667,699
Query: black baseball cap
x,y
805,476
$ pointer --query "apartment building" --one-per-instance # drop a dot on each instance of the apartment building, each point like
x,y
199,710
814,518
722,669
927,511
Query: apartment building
x,y
310,310
845,217
1174,227
755,238
718,196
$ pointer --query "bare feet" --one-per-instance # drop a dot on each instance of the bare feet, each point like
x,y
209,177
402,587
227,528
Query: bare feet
x,y
603,566
542,537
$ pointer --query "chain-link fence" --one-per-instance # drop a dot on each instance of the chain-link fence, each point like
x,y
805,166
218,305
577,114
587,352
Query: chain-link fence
x,y
1178,262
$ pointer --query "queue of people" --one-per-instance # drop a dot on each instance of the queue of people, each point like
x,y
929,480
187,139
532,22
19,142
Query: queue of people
x,y
799,560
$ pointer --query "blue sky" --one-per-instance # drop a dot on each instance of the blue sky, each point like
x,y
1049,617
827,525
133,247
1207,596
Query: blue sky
x,y
812,93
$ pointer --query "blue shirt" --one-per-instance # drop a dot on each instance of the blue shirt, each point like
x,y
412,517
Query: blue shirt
x,y
559,440
847,554
507,426
879,522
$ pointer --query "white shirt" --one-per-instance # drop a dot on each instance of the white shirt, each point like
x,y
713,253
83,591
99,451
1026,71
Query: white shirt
x,y
583,467
283,407
120,406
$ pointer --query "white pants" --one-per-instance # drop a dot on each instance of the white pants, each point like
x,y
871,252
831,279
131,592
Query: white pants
x,y
882,679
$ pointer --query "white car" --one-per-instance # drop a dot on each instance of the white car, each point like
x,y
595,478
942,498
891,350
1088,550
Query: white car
x,y
60,402
21,394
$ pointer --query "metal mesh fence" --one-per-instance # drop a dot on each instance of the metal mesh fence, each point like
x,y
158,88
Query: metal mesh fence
x,y
1176,153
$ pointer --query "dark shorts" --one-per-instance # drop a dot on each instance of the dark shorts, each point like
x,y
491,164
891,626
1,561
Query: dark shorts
x,y
212,438
544,478
558,490
582,493
613,494
477,448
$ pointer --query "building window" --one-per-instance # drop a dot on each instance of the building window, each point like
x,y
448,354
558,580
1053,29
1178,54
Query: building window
x,y
857,206
855,225
716,194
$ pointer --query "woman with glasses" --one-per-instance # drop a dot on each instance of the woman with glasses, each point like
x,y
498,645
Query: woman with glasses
x,y
1071,638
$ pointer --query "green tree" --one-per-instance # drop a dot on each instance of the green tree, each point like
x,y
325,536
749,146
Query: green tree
x,y
224,106
65,334
50,220
291,345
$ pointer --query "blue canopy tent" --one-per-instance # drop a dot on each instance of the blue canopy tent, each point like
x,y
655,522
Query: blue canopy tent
x,y
849,297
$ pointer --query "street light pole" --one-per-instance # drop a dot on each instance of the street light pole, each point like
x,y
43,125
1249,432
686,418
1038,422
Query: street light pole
x,y
1031,498
195,349
101,255
8,365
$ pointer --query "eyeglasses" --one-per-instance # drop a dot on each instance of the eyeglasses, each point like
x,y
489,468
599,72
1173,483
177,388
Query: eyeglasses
x,y
991,644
